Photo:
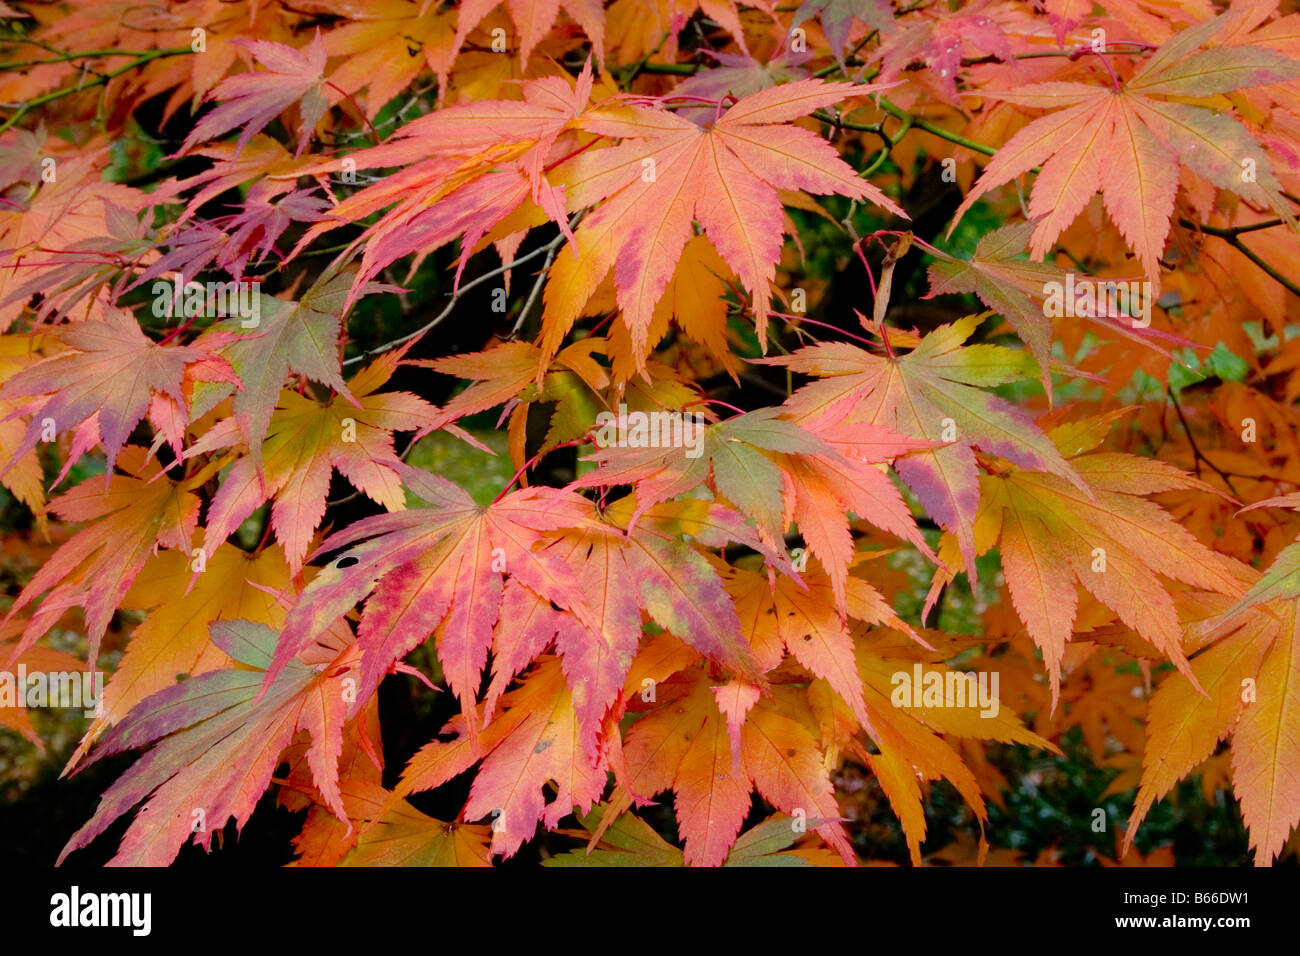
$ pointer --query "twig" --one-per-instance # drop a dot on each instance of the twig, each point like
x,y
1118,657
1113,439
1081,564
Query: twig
x,y
672,69
1231,237
64,58
99,80
455,297
1196,451
848,60
921,122
551,248
627,76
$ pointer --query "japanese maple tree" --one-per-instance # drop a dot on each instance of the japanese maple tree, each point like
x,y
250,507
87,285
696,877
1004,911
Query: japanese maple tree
x,y
853,394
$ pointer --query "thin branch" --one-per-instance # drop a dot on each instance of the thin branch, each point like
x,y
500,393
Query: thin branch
x,y
921,122
1196,451
848,60
64,58
671,69
626,77
100,79
551,248
455,297
1231,237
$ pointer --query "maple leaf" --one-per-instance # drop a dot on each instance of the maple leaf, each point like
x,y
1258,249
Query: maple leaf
x,y
856,670
1246,666
305,441
1128,144
263,218
262,160
930,393
739,75
574,387
1098,695
252,100
1016,287
82,271
571,392
799,617
674,584
939,42
300,337
625,841
505,372
766,845
395,834
837,18
326,839
217,741
595,660
38,223
908,747
407,837
637,27
232,241
683,744
22,474
696,299
532,740
879,662
669,172
193,250
470,167
630,841
439,569
1053,536
172,641
732,451
772,469
21,151
136,514
385,45
533,19
116,374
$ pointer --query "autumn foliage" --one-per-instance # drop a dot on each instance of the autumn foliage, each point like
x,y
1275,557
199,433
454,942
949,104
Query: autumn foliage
x,y
799,329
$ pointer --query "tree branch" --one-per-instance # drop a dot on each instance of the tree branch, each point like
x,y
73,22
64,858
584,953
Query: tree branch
x,y
547,249
100,79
